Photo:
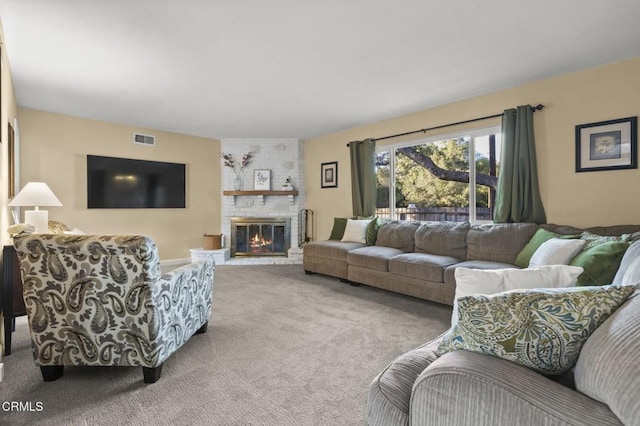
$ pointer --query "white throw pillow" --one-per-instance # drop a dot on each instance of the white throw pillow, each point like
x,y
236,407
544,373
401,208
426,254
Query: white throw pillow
x,y
556,251
492,281
356,231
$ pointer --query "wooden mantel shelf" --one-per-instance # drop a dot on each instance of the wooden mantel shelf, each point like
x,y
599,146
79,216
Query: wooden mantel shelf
x,y
261,194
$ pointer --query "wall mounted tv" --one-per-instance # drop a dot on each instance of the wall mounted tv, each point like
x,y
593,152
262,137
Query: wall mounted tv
x,y
120,183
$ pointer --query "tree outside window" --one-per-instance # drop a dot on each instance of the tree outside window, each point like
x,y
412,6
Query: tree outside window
x,y
435,180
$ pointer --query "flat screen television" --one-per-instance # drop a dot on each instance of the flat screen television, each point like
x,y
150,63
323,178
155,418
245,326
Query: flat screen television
x,y
120,183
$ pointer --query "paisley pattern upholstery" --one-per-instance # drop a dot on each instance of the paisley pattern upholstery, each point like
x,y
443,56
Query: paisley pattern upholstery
x,y
542,329
102,300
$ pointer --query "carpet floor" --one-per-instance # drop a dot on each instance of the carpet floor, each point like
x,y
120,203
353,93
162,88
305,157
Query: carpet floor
x,y
282,348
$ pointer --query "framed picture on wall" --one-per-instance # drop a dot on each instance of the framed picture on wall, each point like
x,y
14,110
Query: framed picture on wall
x,y
607,145
329,175
262,180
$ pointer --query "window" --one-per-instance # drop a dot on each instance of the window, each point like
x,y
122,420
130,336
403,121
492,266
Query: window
x,y
448,178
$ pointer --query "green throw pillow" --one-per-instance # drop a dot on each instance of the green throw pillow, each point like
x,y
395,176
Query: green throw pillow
x,y
339,225
535,242
372,231
600,262
542,329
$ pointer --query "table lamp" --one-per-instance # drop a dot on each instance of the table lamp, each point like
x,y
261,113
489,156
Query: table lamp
x,y
36,194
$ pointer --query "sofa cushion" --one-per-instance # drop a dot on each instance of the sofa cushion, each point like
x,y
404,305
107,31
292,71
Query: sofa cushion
x,y
421,266
600,262
594,239
372,231
398,234
335,250
541,235
443,238
500,242
372,257
472,389
630,257
339,225
542,329
449,272
608,366
356,231
486,282
556,251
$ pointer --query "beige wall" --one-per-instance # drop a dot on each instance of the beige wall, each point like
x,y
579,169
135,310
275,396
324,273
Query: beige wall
x,y
54,149
9,111
581,199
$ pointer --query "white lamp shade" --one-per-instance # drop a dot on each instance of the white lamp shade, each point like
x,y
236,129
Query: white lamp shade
x,y
35,194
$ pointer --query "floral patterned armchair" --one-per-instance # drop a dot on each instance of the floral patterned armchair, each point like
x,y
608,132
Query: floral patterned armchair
x,y
102,300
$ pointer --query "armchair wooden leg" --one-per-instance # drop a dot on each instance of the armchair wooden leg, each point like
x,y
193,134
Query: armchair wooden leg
x,y
152,375
51,372
203,329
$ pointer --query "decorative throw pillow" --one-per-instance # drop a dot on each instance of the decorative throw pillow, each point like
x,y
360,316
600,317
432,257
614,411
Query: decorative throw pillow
x,y
356,231
600,262
542,329
339,225
492,281
556,252
536,241
372,231
594,240
56,227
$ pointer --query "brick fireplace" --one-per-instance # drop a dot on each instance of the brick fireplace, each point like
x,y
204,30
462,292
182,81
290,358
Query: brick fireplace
x,y
260,236
244,216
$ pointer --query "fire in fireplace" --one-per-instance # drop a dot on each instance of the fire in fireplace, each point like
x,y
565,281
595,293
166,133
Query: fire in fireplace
x,y
260,236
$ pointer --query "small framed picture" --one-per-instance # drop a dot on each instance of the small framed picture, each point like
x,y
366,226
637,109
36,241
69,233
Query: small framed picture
x,y
329,175
607,145
262,180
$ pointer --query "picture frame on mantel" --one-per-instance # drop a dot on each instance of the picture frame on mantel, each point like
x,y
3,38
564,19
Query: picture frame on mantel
x,y
329,175
607,145
262,179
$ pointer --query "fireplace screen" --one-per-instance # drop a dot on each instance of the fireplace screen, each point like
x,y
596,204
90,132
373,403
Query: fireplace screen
x,y
255,236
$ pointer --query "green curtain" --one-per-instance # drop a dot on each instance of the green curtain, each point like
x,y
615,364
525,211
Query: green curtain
x,y
518,195
363,177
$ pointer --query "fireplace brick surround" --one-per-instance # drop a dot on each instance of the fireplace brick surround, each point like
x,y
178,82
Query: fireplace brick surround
x,y
284,158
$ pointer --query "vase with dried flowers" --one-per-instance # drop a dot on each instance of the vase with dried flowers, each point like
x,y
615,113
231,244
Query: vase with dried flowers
x,y
237,167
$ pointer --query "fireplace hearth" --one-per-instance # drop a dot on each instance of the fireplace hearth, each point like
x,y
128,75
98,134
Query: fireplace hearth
x,y
260,236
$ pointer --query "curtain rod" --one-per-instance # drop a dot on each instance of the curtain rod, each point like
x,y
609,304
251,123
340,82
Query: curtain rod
x,y
535,108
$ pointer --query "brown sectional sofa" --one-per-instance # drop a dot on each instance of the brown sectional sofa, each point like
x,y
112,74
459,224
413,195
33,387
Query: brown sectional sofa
x,y
419,258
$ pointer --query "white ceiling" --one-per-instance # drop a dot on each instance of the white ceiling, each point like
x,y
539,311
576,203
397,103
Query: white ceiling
x,y
295,68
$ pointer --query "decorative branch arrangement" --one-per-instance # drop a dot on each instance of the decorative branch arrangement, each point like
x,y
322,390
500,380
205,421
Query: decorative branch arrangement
x,y
237,167
230,162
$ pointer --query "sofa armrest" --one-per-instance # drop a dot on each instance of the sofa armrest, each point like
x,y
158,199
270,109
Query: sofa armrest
x,y
467,388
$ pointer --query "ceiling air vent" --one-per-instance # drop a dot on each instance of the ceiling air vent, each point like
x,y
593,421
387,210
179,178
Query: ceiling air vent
x,y
141,139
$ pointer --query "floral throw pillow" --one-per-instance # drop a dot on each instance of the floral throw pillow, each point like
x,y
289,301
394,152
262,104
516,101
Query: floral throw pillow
x,y
542,329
